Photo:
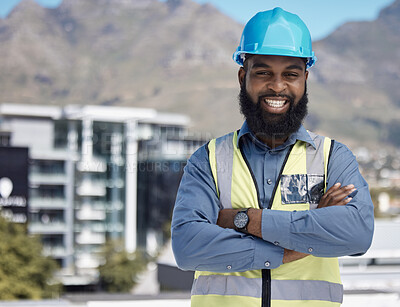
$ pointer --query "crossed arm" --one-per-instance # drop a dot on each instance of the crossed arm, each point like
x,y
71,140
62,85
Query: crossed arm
x,y
337,195
202,241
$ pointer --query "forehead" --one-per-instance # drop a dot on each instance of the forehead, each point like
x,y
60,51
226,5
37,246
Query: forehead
x,y
275,61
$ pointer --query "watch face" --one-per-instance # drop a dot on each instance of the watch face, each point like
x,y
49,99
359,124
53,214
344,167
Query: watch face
x,y
241,219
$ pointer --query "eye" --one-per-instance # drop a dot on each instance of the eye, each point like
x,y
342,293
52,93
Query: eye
x,y
291,75
263,73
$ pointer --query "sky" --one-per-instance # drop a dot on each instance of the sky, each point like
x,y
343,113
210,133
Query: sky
x,y
321,17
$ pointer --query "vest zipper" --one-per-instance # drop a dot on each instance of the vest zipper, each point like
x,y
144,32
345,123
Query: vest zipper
x,y
266,288
265,273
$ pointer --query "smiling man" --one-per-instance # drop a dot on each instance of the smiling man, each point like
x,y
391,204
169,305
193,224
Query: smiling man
x,y
274,102
262,213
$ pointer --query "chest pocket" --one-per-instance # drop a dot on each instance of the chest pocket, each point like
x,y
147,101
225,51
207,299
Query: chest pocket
x,y
302,188
303,177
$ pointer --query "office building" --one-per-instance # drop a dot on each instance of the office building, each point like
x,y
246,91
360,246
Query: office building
x,y
98,173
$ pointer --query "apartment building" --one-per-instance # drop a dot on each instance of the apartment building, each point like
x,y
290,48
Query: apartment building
x,y
98,173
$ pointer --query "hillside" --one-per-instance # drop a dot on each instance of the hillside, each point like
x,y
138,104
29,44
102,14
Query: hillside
x,y
358,73
176,56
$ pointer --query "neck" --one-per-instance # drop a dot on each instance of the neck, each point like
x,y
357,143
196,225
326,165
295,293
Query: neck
x,y
272,142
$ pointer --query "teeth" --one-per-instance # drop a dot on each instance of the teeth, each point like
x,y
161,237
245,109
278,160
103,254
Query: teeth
x,y
275,103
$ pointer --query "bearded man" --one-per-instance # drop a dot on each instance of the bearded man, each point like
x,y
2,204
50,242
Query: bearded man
x,y
263,213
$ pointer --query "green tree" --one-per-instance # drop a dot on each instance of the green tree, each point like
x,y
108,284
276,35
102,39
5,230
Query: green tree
x,y
24,272
120,269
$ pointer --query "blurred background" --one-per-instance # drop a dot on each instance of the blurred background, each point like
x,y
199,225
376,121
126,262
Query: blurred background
x,y
103,101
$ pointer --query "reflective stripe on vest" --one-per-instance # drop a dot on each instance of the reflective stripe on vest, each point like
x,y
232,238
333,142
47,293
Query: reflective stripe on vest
x,y
311,281
280,289
224,159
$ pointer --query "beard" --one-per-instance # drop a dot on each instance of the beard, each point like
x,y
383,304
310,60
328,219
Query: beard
x,y
266,125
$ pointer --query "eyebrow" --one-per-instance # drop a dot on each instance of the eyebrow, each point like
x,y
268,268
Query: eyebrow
x,y
295,66
263,65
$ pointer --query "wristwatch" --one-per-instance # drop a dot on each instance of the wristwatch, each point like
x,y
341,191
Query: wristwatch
x,y
241,220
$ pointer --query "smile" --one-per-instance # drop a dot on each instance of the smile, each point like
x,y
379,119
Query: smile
x,y
275,103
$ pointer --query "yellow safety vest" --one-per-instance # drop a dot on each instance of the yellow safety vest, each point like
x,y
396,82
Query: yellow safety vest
x,y
311,281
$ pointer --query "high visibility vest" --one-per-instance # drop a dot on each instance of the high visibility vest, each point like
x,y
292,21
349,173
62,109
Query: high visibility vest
x,y
311,281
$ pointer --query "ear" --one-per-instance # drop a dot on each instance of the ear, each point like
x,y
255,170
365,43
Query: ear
x,y
241,76
306,75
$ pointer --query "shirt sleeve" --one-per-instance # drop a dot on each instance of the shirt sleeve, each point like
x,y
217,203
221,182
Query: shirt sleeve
x,y
332,231
198,243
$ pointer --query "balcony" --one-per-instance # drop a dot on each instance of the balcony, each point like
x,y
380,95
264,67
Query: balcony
x,y
96,205
49,154
87,261
57,251
99,227
87,213
57,227
89,237
47,203
91,188
47,179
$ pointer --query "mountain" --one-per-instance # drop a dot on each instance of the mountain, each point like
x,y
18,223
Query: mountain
x,y
176,56
358,72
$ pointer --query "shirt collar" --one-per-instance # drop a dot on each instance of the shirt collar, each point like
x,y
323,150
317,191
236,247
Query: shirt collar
x,y
300,135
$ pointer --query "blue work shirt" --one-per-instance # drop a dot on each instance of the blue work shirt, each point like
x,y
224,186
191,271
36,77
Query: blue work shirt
x,y
199,244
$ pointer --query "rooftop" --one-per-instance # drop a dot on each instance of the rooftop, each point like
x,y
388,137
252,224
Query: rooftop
x,y
97,113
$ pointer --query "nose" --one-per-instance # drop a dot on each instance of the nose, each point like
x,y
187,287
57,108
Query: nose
x,y
276,84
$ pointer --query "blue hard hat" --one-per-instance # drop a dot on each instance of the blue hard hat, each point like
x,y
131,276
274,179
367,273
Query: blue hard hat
x,y
276,32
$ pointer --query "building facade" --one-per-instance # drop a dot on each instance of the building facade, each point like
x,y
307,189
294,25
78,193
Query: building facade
x,y
98,173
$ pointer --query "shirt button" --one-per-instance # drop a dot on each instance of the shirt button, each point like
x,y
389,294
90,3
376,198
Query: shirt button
x,y
310,249
276,243
267,264
229,267
269,181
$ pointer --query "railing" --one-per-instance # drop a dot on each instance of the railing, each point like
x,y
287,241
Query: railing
x,y
47,203
53,227
50,179
89,214
54,251
88,237
91,188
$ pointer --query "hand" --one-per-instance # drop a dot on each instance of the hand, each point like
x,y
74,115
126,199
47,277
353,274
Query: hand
x,y
226,216
289,256
336,196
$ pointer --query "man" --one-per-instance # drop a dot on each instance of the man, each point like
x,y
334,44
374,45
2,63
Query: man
x,y
262,213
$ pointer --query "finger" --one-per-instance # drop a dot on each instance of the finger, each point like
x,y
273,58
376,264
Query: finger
x,y
336,195
331,190
342,192
344,201
334,188
335,200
